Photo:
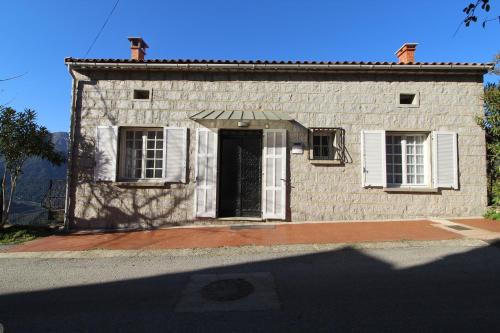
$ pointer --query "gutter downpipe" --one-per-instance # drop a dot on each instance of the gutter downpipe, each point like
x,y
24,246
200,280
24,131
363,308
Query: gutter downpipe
x,y
69,170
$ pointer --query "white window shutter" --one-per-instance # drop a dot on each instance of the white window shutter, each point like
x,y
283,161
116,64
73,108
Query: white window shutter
x,y
205,196
373,158
175,154
445,159
106,153
274,158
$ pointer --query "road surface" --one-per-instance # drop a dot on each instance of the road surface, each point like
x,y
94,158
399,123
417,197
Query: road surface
x,y
441,286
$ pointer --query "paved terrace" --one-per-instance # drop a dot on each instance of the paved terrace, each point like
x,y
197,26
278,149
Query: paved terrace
x,y
267,235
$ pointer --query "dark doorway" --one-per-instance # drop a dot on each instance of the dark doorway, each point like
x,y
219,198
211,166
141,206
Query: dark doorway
x,y
240,173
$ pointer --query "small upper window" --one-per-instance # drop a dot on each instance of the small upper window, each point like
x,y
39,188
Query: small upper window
x,y
325,144
141,94
408,99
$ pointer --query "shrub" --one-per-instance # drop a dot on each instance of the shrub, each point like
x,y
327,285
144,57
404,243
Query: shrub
x,y
22,233
492,214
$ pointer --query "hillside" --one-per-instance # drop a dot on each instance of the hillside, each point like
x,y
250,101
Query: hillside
x,y
34,181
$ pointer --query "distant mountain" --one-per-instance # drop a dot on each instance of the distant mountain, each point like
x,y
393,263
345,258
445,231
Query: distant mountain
x,y
34,181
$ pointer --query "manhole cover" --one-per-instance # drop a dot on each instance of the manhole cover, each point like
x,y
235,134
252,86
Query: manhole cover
x,y
458,227
227,290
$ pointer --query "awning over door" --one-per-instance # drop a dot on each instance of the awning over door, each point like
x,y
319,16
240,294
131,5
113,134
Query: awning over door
x,y
241,115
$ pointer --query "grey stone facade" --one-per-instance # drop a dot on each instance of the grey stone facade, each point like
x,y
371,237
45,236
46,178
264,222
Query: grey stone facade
x,y
354,102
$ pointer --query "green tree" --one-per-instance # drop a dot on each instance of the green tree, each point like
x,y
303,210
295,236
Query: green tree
x,y
490,122
21,138
496,70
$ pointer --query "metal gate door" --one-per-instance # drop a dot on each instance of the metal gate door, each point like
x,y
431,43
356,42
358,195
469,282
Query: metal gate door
x,y
240,177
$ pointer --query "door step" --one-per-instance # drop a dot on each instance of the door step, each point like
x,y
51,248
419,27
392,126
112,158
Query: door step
x,y
252,226
237,218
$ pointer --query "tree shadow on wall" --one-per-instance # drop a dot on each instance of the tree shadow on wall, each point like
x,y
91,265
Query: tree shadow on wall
x,y
97,205
109,205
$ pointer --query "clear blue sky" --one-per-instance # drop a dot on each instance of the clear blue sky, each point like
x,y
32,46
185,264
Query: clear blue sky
x,y
38,35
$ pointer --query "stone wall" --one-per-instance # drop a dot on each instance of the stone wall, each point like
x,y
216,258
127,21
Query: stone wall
x,y
353,102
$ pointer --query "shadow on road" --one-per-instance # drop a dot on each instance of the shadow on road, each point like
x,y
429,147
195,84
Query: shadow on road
x,y
341,290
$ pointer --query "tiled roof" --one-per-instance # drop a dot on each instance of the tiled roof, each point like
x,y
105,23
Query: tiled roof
x,y
267,62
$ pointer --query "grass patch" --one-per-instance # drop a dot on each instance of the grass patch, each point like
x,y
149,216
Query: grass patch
x,y
16,234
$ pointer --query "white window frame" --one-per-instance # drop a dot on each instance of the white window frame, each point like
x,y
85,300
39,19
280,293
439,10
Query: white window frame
x,y
122,153
427,160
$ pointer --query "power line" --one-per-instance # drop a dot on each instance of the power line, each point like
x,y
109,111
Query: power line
x,y
102,28
13,77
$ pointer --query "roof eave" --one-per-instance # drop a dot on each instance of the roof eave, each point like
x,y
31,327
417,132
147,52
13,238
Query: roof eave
x,y
76,64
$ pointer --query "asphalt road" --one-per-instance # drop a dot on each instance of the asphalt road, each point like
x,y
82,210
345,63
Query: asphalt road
x,y
450,287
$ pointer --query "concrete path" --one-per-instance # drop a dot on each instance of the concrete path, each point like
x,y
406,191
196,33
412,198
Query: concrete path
x,y
251,235
489,225
478,228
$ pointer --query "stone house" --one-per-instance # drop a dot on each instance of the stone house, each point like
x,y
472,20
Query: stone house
x,y
166,142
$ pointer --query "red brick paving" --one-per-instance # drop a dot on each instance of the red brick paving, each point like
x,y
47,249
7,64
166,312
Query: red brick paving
x,y
211,237
490,225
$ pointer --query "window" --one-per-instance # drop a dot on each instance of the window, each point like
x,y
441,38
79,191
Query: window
x,y
143,153
406,159
130,154
141,94
408,99
401,161
325,144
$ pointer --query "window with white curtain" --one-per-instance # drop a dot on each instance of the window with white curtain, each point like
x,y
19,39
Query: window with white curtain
x,y
142,153
407,159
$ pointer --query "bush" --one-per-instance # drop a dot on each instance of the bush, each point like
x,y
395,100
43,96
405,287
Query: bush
x,y
15,234
492,214
490,123
494,190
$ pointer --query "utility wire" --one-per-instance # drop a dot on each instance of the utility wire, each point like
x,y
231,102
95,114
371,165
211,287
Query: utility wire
x,y
102,28
13,77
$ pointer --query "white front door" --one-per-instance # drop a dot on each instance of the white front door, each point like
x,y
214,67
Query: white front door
x,y
274,158
206,173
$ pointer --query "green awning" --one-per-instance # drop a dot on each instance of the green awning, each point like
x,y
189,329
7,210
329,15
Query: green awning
x,y
241,115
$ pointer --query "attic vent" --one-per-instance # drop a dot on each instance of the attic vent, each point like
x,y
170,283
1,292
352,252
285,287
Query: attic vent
x,y
407,99
141,94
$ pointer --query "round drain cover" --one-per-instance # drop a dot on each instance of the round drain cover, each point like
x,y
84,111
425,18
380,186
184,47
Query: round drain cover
x,y
227,290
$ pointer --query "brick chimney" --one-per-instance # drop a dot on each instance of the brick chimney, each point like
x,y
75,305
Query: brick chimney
x,y
137,48
406,53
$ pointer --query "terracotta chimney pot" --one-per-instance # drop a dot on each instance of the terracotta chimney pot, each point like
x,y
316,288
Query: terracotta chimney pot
x,y
406,53
137,48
